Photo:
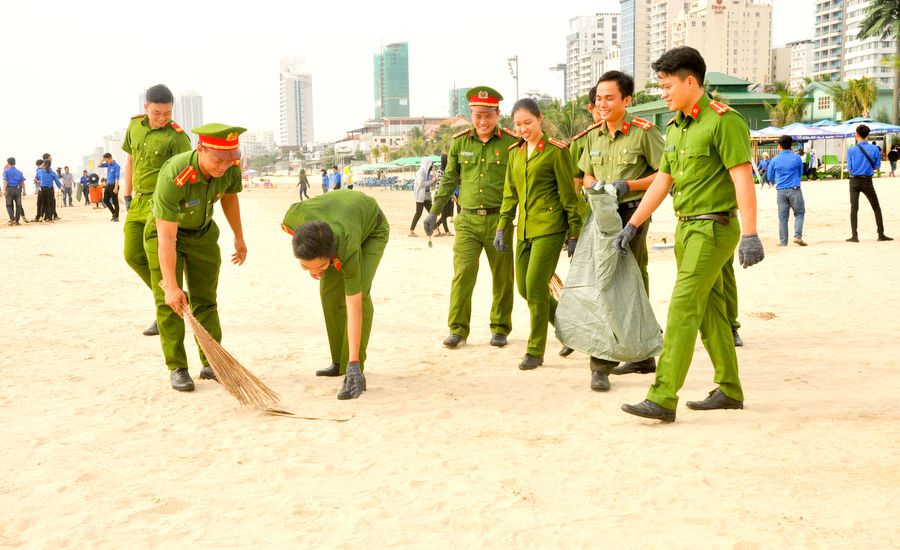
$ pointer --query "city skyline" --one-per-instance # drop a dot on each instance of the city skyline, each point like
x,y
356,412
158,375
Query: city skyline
x,y
92,90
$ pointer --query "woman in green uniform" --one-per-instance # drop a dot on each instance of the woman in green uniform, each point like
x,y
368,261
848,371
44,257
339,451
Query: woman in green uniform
x,y
538,182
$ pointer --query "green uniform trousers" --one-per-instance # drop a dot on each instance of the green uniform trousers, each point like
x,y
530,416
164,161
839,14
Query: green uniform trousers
x,y
536,261
334,304
475,233
702,248
731,296
197,261
135,220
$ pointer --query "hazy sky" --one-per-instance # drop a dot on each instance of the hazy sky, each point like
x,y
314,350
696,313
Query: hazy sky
x,y
73,69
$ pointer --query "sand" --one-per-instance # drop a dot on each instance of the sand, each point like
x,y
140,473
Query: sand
x,y
447,448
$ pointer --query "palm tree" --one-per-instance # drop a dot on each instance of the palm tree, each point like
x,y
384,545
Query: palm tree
x,y
789,109
864,93
883,20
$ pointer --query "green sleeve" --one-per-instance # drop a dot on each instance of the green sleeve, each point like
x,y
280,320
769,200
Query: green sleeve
x,y
510,194
584,161
575,150
732,140
351,272
235,185
654,145
168,197
664,163
449,180
181,143
126,143
562,168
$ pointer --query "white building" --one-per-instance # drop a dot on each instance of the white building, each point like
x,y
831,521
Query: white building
x,y
257,143
188,113
590,36
780,65
827,48
734,36
801,63
635,40
112,144
861,58
662,13
296,116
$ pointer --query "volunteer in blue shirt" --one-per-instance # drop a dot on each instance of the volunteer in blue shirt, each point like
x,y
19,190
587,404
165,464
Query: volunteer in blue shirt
x,y
862,161
111,192
45,178
785,171
763,167
13,187
86,187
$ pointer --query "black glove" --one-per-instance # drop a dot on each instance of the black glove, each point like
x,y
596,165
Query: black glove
x,y
500,241
429,222
621,188
750,251
354,382
624,237
570,245
127,202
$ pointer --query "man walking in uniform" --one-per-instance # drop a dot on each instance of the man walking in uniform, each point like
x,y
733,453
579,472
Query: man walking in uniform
x,y
111,192
707,159
181,240
152,138
340,239
862,161
477,164
626,152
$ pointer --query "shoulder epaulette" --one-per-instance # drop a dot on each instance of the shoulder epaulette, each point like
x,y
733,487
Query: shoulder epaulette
x,y
176,127
558,142
641,123
510,133
186,175
719,108
516,144
585,131
138,116
461,133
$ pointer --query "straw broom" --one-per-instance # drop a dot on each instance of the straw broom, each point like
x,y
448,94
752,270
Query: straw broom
x,y
556,286
238,381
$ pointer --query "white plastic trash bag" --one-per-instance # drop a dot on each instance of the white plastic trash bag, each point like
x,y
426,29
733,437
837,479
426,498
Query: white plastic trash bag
x,y
604,311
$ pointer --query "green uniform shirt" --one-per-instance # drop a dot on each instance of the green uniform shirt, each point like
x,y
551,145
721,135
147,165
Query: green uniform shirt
x,y
700,149
183,196
633,152
541,186
576,146
477,168
150,149
352,217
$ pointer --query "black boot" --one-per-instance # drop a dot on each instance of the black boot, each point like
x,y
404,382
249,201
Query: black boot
x,y
332,370
497,340
649,409
646,366
530,362
152,330
454,341
181,380
715,400
600,369
206,373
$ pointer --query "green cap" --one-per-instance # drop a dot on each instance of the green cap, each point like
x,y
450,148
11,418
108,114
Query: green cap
x,y
484,96
221,140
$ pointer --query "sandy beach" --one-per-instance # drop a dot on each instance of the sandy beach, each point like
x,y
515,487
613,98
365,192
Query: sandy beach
x,y
447,448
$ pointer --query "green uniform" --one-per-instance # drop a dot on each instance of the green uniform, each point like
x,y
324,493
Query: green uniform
x,y
700,149
183,195
361,232
632,153
540,188
149,150
479,169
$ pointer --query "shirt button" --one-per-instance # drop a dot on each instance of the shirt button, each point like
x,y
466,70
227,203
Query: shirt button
x,y
679,193
682,151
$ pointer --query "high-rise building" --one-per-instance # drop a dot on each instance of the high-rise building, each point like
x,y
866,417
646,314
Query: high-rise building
x,y
392,81
734,36
142,99
779,65
827,48
188,113
634,40
296,113
590,37
459,103
662,13
801,63
112,144
864,57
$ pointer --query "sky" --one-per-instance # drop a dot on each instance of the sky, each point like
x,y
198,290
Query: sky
x,y
73,70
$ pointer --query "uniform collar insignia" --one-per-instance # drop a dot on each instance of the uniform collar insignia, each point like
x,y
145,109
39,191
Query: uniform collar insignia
x,y
337,263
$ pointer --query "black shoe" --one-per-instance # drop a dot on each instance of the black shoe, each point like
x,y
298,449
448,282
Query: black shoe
x,y
647,366
530,362
181,380
715,400
649,409
600,369
853,239
454,341
332,370
497,340
152,330
738,343
206,373
565,351
884,237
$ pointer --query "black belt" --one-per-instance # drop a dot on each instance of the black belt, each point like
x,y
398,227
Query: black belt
x,y
631,205
481,211
718,217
